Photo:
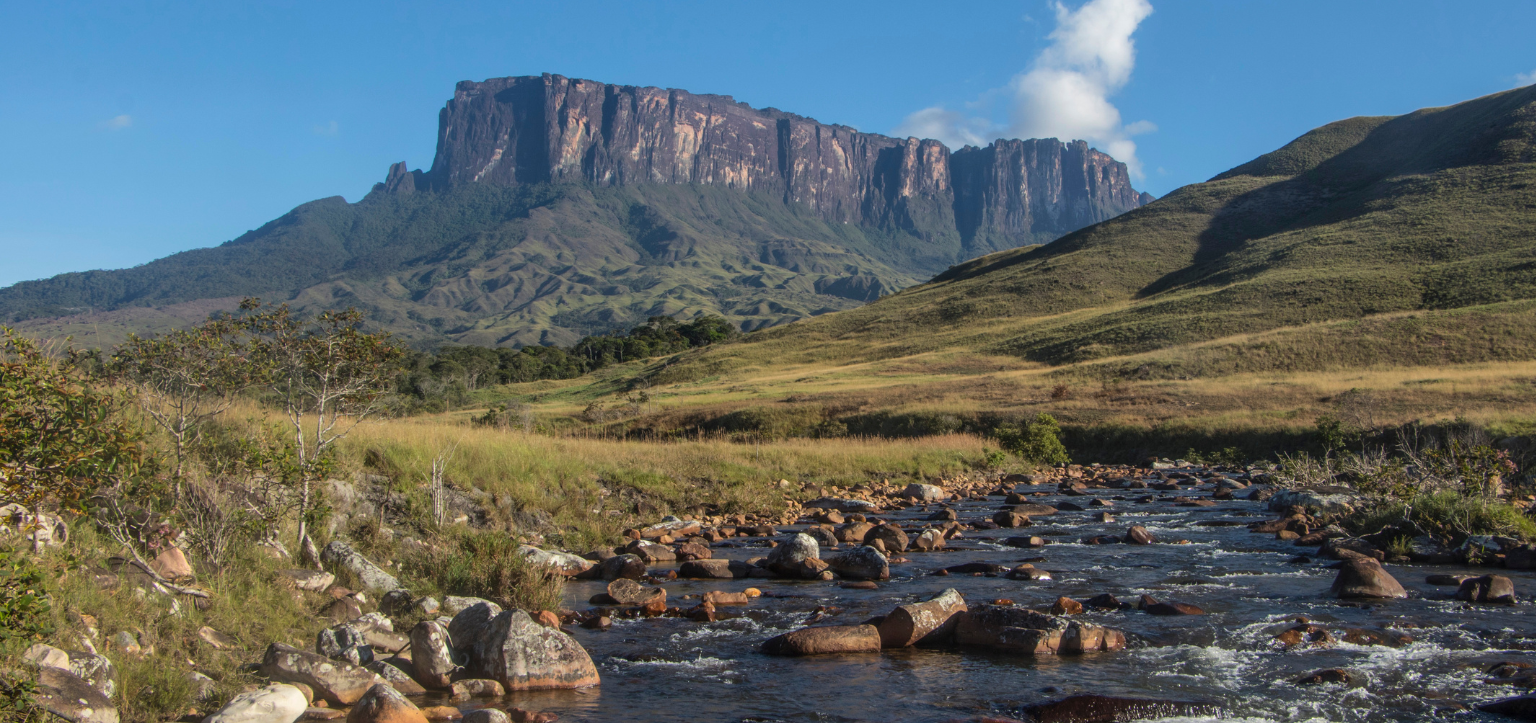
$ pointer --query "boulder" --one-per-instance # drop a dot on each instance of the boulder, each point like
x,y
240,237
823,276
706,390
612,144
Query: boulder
x,y
1066,606
278,703
478,688
1089,708
1327,675
1105,601
649,552
823,640
621,566
925,493
342,609
693,551
713,569
1034,509
630,593
486,715
453,605
861,563
563,563
1488,589
393,671
1331,500
338,554
1370,636
854,532
384,704
1363,577
43,530
311,580
172,564
1027,571
1030,541
523,655
70,697
344,642
671,527
790,553
922,623
928,541
1139,535
339,683
470,623
1521,707
396,602
1011,519
433,660
893,537
1027,632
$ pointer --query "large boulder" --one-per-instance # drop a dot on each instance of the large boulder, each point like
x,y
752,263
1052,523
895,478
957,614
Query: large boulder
x,y
1139,535
925,493
786,558
1027,632
384,704
561,562
1488,589
453,604
470,624
865,563
433,660
277,703
894,539
1522,707
823,640
1363,577
927,622
394,671
341,555
714,569
627,592
337,682
854,532
1330,500
524,655
621,566
72,698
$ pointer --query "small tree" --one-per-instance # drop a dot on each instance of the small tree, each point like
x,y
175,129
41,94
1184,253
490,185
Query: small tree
x,y
1036,442
185,378
328,376
60,439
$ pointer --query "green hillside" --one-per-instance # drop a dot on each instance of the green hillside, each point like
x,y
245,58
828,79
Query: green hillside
x,y
1426,212
499,265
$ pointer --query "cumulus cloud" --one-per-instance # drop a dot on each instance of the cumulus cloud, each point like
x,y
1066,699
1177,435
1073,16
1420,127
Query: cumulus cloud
x,y
116,123
1524,79
1065,92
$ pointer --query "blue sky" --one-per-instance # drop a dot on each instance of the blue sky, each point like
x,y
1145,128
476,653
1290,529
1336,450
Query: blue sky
x,y
134,130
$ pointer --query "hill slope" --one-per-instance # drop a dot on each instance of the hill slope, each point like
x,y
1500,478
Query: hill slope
x,y
557,208
1421,213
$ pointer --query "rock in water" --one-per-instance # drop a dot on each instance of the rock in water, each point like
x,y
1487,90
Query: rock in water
x,y
1365,577
70,697
1487,589
523,655
1105,709
432,657
384,704
621,566
340,554
863,563
890,535
798,548
470,624
276,703
337,682
824,640
628,592
922,623
1139,535
925,493
1521,707
1028,632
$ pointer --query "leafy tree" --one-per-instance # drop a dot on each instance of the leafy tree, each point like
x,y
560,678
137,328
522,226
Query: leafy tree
x,y
327,374
185,378
60,439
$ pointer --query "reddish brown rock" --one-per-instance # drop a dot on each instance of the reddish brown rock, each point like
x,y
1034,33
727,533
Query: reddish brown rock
x,y
825,640
921,623
1363,577
384,704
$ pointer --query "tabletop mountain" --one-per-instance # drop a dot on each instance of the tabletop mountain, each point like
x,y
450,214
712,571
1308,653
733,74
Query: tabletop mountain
x,y
558,207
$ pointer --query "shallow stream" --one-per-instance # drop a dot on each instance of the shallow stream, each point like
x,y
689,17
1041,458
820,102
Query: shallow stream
x,y
674,669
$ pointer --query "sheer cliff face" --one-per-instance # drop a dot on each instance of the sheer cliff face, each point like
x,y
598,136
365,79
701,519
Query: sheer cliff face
x,y
552,129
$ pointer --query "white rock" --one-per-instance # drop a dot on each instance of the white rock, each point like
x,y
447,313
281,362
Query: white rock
x,y
273,704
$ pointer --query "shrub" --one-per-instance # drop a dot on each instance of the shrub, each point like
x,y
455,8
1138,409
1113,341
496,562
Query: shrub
x,y
1445,513
487,564
1038,442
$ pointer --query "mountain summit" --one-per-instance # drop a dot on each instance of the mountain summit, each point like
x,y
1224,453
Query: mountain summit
x,y
558,207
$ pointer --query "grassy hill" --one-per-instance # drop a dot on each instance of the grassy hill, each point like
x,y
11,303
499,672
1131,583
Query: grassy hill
x,y
1391,243
499,265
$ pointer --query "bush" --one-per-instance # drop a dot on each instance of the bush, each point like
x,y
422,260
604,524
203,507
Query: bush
x,y
1446,514
487,564
24,619
1038,442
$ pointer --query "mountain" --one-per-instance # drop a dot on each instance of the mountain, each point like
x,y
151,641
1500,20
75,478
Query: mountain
x,y
558,207
1407,240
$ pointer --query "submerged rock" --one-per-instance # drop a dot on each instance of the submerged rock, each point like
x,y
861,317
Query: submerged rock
x,y
1028,632
825,640
1329,675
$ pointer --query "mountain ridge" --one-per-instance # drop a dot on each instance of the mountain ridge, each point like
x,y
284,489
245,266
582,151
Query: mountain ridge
x,y
557,208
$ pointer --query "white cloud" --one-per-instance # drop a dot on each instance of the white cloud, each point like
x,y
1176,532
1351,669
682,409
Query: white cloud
x,y
1065,92
1524,79
330,129
116,123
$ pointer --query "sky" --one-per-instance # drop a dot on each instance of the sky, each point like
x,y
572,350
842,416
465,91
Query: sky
x,y
132,130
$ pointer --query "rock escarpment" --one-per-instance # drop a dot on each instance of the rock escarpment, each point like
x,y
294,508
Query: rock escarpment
x,y
549,129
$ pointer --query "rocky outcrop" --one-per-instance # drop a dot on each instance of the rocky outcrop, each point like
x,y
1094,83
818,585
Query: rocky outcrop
x,y
523,655
551,129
